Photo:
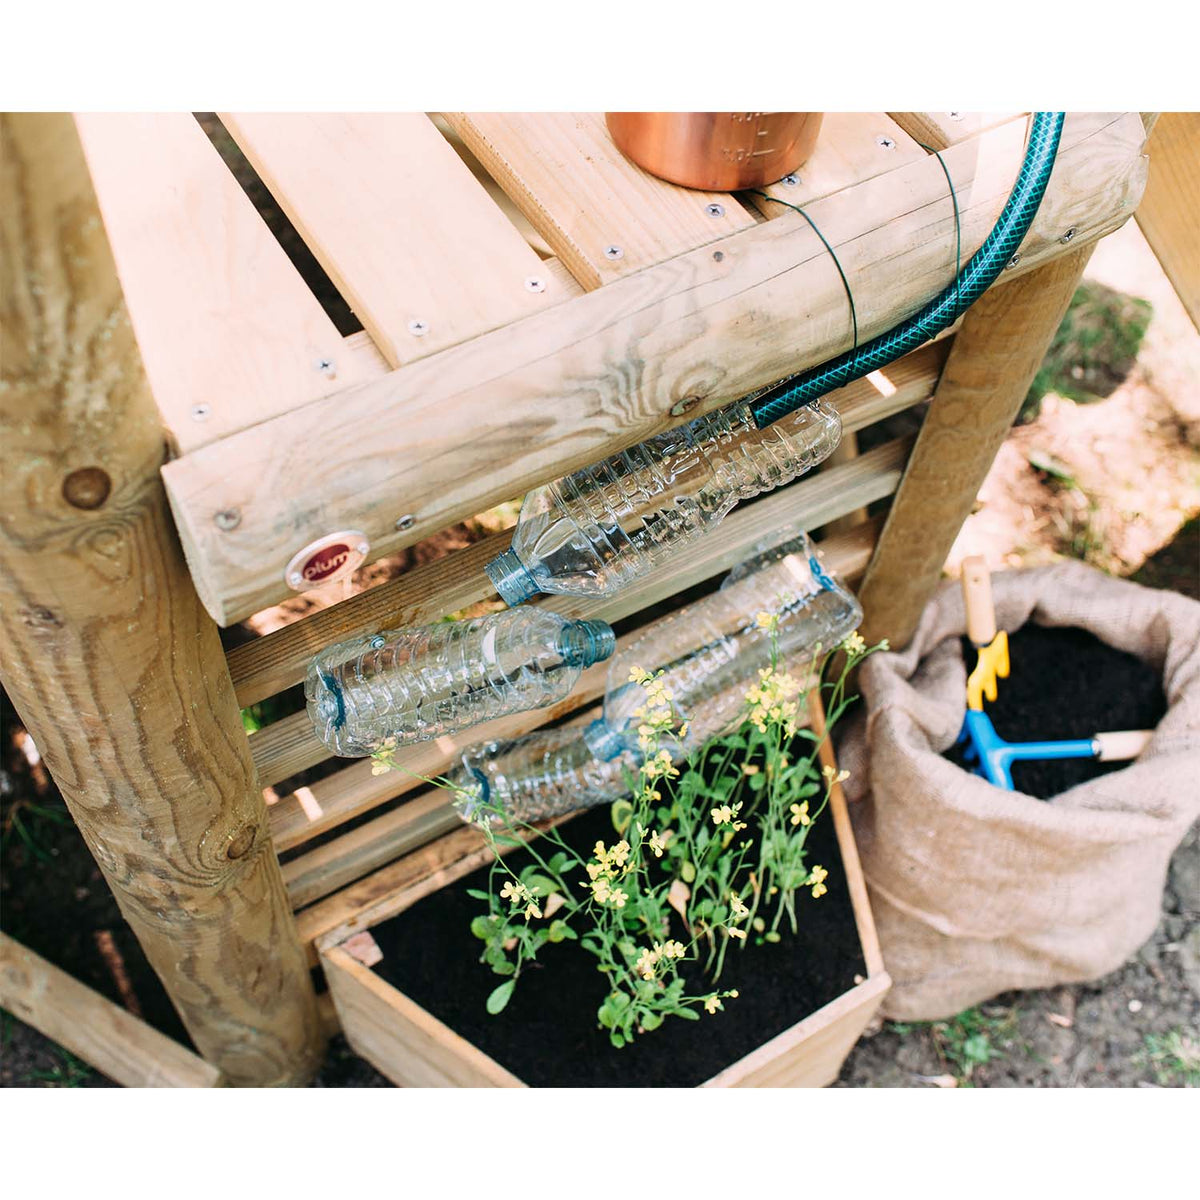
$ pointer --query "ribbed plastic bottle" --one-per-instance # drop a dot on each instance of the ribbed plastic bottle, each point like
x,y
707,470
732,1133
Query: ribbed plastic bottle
x,y
710,653
593,532
420,683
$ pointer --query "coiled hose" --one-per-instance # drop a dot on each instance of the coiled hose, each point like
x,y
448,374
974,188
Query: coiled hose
x,y
976,277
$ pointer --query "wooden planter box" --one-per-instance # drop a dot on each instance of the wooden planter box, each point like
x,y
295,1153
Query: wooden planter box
x,y
415,1049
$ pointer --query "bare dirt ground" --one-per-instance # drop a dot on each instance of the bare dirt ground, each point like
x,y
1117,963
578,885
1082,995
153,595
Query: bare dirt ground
x,y
1112,482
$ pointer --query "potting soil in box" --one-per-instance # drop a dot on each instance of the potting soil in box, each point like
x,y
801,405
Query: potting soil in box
x,y
549,1036
1066,683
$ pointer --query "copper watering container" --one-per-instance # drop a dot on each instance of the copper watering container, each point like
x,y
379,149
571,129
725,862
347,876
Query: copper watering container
x,y
716,152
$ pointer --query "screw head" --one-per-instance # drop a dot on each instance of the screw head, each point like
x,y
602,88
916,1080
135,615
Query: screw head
x,y
378,642
715,210
1012,262
790,180
227,519
718,256
955,116
886,142
1068,236
613,252
534,284
201,412
405,522
417,327
327,367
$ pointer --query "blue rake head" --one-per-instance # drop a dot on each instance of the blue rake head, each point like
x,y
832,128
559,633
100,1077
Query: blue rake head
x,y
991,757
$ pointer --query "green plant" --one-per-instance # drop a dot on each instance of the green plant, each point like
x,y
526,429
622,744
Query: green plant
x,y
27,820
70,1073
969,1040
709,852
1174,1057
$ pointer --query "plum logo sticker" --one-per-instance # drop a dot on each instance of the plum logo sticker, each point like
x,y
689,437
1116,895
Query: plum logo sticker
x,y
329,558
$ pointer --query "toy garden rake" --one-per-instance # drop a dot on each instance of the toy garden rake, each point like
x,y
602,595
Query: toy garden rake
x,y
985,751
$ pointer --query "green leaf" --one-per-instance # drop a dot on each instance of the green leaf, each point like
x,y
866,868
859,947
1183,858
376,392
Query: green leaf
x,y
560,931
687,872
651,1021
688,1014
476,894
617,1039
622,815
500,997
481,927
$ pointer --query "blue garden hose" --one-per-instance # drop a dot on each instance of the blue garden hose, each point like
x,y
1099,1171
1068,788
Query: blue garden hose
x,y
941,312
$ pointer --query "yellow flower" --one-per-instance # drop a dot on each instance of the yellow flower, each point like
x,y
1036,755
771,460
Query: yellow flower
x,y
684,728
671,949
749,769
739,909
817,877
532,910
736,933
854,644
819,891
617,898
645,965
618,854
800,814
657,844
766,620
513,892
379,768
722,815
832,776
733,995
713,1003
637,675
601,889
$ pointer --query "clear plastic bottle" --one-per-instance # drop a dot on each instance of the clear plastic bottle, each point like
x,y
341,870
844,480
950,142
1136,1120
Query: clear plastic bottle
x,y
542,774
591,533
414,684
710,653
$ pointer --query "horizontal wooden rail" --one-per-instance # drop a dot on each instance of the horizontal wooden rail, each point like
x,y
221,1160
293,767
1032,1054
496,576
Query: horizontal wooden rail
x,y
291,745
317,873
269,664
106,1037
454,433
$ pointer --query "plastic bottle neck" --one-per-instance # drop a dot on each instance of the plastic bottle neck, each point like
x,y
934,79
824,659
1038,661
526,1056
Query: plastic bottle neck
x,y
511,578
582,643
603,741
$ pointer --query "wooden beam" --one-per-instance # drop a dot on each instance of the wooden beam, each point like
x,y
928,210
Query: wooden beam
x,y
269,664
106,1037
1169,214
459,431
938,130
106,652
996,354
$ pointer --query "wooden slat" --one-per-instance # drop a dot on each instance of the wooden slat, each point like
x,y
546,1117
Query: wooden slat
x,y
226,327
399,224
1169,214
271,663
354,790
852,147
455,433
578,190
293,745
937,130
106,1037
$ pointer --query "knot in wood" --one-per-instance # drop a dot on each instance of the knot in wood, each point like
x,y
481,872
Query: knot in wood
x,y
86,488
241,842
684,406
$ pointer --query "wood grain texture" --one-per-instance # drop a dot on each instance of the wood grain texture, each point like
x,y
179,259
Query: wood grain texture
x,y
106,652
852,147
996,354
292,744
454,433
399,224
222,318
937,130
563,171
1169,214
269,664
108,1038
415,1049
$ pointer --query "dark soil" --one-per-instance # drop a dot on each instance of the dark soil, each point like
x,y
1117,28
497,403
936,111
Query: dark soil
x,y
1067,683
548,1034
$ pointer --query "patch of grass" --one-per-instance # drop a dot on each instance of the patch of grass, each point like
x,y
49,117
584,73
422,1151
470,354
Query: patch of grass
x,y
70,1073
27,821
972,1039
1174,1057
1094,348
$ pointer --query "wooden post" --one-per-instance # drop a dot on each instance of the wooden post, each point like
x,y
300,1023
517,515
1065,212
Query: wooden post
x,y
996,354
107,653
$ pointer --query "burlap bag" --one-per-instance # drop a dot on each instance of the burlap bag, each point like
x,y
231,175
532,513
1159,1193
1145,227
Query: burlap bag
x,y
977,890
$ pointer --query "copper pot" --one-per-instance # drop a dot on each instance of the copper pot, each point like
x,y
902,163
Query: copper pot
x,y
716,152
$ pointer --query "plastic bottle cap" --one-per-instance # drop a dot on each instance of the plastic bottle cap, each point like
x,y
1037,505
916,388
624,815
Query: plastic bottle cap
x,y
511,578
583,643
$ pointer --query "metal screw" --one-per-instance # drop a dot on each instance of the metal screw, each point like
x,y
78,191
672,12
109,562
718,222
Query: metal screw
x,y
201,412
613,252
405,522
378,641
534,284
718,256
1012,262
715,210
886,142
790,181
1068,236
295,579
227,519
417,327
955,116
327,367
